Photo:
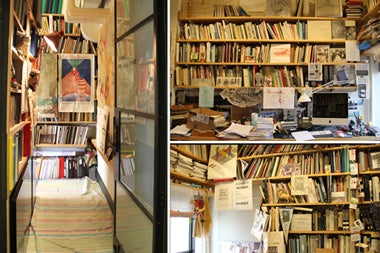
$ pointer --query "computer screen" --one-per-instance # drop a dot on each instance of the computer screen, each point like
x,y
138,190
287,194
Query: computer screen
x,y
330,109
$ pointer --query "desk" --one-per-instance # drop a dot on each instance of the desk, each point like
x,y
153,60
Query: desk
x,y
353,140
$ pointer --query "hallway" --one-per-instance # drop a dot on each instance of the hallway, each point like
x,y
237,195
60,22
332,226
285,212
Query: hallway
x,y
70,215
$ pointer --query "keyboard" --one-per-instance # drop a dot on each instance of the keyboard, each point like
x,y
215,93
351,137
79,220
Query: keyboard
x,y
322,134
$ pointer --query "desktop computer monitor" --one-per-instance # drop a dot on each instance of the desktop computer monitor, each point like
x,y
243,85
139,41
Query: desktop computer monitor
x,y
330,109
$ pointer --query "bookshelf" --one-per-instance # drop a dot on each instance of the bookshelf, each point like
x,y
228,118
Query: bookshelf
x,y
340,183
183,156
252,52
18,116
65,110
71,42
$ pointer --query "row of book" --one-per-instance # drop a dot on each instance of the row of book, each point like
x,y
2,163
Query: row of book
x,y
323,243
302,164
51,116
245,31
199,151
15,108
127,133
122,9
186,166
263,53
21,10
51,6
15,151
61,134
315,190
127,166
312,30
76,45
60,167
51,23
229,11
238,76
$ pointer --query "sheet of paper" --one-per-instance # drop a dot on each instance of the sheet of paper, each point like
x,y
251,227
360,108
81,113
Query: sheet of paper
x,y
278,98
242,198
239,129
352,51
223,196
302,136
206,96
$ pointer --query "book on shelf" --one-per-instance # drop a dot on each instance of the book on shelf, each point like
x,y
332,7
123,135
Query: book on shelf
x,y
374,160
319,30
328,8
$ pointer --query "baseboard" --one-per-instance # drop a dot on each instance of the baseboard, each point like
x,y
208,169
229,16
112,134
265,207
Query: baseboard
x,y
105,191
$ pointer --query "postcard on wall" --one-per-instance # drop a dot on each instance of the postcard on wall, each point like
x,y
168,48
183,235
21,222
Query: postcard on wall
x,y
76,87
280,53
222,162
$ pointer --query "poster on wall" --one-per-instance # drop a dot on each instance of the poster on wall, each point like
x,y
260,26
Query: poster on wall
x,y
76,85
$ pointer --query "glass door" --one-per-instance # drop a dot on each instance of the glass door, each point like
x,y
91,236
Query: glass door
x,y
141,128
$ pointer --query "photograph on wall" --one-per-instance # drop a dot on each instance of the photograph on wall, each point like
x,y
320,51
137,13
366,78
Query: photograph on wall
x,y
76,83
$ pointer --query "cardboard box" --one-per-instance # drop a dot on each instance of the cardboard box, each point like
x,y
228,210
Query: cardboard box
x,y
205,119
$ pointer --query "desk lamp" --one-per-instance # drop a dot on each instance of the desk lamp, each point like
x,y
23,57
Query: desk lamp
x,y
305,97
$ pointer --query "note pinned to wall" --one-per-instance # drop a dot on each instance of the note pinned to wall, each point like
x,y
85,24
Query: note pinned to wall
x,y
278,98
206,96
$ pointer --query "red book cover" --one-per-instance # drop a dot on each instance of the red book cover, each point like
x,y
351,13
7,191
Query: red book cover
x,y
61,167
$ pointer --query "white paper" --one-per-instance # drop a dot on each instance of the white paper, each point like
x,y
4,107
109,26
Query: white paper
x,y
362,79
222,162
223,196
302,136
278,98
242,197
242,130
352,51
180,130
258,224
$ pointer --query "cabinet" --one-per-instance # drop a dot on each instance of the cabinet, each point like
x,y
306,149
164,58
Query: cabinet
x,y
326,188
259,51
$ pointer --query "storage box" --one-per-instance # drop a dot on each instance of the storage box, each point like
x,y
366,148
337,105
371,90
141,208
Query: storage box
x,y
205,119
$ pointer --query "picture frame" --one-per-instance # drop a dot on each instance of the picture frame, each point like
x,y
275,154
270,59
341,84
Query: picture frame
x,y
76,85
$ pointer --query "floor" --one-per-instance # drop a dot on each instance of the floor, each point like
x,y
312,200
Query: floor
x,y
70,216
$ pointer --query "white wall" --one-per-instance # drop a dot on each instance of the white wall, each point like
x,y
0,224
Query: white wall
x,y
374,112
107,175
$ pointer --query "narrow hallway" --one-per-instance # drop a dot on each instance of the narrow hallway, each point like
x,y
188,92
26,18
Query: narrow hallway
x,y
70,215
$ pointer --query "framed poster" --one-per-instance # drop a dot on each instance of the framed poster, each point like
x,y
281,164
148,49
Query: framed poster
x,y
76,86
